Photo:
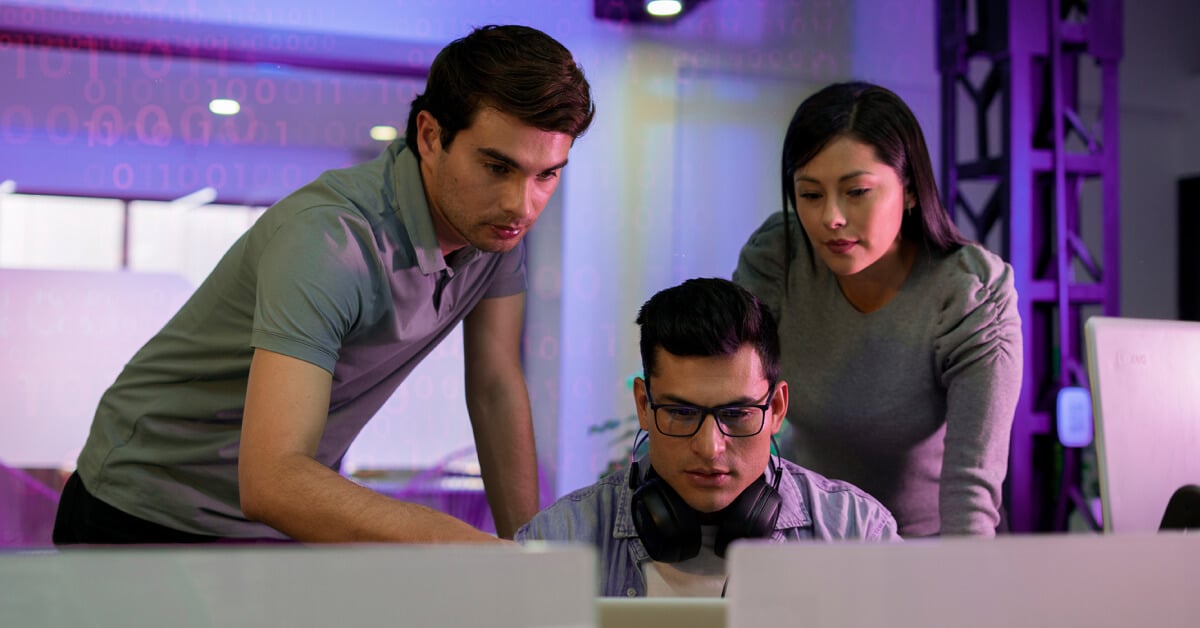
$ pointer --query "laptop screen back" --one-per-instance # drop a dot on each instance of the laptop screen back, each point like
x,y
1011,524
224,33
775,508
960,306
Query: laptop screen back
x,y
1145,380
1092,580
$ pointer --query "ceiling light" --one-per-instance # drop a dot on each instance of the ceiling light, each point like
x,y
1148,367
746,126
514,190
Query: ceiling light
x,y
664,8
224,106
383,133
649,12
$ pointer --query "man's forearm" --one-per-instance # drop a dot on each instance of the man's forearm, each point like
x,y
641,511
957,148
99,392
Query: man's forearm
x,y
507,455
312,503
514,498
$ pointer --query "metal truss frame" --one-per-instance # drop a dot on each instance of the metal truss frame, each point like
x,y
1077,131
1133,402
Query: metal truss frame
x,y
1012,70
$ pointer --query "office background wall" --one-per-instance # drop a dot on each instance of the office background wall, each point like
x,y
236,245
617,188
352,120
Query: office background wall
x,y
1160,143
680,164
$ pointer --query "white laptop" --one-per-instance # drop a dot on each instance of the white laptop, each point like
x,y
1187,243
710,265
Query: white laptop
x,y
1145,380
1045,580
374,586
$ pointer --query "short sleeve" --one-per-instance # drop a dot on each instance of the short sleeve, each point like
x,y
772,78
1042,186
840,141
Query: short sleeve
x,y
509,278
980,357
763,261
311,276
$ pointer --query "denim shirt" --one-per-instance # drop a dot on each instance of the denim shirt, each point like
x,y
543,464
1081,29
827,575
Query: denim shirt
x,y
813,508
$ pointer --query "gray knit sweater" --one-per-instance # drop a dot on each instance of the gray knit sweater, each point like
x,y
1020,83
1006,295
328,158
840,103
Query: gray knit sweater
x,y
914,402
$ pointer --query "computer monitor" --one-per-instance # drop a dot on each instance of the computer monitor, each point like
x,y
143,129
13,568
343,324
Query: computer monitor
x,y
1145,381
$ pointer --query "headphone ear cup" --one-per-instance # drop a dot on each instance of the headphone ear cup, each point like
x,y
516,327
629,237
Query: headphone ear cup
x,y
751,516
668,527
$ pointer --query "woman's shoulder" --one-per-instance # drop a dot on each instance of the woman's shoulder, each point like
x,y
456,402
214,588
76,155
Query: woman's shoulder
x,y
763,260
766,250
972,269
769,235
975,290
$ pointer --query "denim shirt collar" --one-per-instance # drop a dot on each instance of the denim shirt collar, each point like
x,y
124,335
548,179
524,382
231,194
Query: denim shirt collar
x,y
795,512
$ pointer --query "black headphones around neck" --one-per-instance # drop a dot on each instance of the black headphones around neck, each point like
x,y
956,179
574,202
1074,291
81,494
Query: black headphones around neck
x,y
670,529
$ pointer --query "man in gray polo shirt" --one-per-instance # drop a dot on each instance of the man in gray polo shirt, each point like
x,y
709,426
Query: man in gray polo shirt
x,y
231,422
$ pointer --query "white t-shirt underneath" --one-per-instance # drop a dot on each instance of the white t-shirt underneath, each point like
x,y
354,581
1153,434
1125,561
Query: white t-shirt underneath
x,y
702,576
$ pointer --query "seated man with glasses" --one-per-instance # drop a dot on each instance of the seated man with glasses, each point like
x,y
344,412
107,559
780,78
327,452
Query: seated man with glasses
x,y
709,349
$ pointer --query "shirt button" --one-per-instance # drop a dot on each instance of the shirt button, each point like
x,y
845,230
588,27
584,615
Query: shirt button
x,y
631,592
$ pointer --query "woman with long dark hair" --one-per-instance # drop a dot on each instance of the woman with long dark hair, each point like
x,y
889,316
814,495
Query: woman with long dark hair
x,y
901,338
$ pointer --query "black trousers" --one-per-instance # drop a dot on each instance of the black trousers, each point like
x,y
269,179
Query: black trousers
x,y
82,518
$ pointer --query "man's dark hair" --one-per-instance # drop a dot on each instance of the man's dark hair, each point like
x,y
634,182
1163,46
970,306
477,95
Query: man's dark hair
x,y
517,70
708,317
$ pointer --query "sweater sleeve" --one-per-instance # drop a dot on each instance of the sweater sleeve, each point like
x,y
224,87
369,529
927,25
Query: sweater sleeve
x,y
761,263
979,351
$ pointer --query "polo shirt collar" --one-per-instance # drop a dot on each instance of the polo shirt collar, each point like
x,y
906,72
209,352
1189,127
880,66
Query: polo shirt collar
x,y
413,210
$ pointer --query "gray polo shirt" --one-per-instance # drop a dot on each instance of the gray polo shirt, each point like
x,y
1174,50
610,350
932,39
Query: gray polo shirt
x,y
346,274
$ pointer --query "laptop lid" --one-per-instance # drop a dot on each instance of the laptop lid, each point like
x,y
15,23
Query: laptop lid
x,y
1145,380
384,585
1092,580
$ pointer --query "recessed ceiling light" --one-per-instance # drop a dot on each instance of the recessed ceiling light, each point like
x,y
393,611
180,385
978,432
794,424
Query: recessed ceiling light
x,y
383,133
224,106
664,8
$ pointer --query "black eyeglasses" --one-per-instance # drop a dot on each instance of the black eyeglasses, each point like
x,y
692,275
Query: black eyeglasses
x,y
684,420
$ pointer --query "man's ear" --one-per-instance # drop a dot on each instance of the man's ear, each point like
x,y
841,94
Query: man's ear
x,y
429,135
642,402
779,406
